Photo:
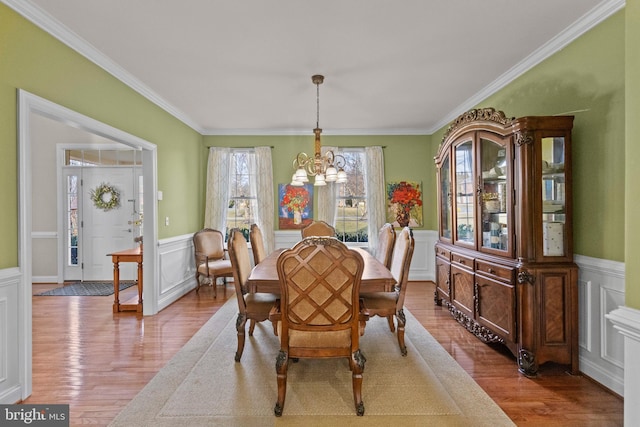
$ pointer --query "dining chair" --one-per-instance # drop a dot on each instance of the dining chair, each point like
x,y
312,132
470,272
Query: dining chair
x,y
318,228
319,311
208,245
385,304
384,254
386,241
254,307
257,244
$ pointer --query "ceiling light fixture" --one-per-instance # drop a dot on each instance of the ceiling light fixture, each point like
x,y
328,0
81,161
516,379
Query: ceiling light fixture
x,y
324,168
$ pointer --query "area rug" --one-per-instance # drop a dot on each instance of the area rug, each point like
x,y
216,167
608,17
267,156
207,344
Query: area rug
x,y
86,289
203,385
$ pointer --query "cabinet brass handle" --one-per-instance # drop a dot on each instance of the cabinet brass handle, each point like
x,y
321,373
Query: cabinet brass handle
x,y
460,260
491,270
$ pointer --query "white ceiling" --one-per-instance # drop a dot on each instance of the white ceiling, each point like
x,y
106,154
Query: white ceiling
x,y
245,67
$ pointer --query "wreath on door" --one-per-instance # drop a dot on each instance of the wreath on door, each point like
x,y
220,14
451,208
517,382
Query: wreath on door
x,y
105,197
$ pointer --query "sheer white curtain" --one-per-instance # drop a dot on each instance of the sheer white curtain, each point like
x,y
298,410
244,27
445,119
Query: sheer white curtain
x,y
327,197
265,194
376,195
217,196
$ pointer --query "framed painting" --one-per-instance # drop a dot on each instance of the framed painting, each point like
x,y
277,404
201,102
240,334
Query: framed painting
x,y
295,206
404,203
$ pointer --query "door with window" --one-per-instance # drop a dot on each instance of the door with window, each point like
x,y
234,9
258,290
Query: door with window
x,y
91,232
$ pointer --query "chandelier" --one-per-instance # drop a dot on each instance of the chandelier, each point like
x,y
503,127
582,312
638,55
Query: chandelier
x,y
324,168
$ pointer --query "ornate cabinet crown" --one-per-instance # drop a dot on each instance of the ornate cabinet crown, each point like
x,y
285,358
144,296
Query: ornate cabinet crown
x,y
504,257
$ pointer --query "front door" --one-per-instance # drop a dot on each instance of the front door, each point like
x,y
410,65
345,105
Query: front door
x,y
102,231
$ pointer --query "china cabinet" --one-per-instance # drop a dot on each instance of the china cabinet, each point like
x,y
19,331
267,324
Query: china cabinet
x,y
504,257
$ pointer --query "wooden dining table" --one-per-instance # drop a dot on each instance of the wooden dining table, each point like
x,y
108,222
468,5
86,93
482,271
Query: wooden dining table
x,y
375,277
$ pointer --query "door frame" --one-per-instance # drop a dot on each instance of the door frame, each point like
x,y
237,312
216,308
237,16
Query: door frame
x,y
29,104
62,229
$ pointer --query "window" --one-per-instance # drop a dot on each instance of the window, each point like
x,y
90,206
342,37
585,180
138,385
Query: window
x,y
72,220
242,191
351,205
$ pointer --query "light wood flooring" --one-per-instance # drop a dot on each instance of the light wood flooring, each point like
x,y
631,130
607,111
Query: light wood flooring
x,y
96,361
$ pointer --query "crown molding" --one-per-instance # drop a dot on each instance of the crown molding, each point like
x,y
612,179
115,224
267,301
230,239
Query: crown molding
x,y
49,24
583,24
56,29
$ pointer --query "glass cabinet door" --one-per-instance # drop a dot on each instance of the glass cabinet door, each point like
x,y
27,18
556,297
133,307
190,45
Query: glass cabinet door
x,y
465,193
494,194
445,198
553,198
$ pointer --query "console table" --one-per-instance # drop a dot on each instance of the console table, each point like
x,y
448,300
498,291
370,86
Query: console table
x,y
128,255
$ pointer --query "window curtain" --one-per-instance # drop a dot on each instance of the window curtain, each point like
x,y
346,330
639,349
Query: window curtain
x,y
265,194
215,211
376,195
327,197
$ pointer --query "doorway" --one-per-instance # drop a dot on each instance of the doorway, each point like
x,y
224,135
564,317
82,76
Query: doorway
x,y
93,226
30,106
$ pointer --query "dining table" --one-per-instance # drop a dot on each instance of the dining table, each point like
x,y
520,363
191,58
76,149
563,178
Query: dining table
x,y
375,276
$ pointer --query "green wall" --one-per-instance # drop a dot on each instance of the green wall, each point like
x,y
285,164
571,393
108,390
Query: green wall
x,y
585,79
32,60
405,158
632,111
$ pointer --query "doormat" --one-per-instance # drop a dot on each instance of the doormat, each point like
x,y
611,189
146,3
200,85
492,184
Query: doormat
x,y
87,289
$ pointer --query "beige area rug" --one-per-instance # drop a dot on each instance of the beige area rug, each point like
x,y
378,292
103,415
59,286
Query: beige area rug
x,y
203,385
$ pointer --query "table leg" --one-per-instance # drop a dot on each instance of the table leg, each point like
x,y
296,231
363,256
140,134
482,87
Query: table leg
x,y
139,308
116,286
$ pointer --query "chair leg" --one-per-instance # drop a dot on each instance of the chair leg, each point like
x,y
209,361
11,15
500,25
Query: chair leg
x,y
215,287
197,283
240,324
401,324
252,326
392,327
357,367
282,364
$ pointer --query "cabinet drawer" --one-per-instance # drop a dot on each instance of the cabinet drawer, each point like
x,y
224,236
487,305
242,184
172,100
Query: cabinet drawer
x,y
494,270
443,253
463,260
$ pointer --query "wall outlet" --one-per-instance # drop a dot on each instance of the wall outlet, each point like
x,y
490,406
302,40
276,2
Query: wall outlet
x,y
166,221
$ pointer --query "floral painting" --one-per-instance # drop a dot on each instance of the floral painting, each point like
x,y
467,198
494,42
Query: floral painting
x,y
296,206
404,204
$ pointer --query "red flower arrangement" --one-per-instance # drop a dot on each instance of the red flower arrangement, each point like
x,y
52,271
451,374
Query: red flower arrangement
x,y
295,198
405,195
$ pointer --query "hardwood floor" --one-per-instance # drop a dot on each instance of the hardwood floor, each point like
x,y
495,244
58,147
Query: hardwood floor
x,y
97,361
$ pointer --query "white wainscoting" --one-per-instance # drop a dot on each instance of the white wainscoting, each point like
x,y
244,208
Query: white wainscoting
x,y
176,267
600,291
627,322
11,340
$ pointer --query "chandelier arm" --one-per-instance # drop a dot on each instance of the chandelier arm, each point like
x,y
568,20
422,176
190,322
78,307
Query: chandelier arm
x,y
339,161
